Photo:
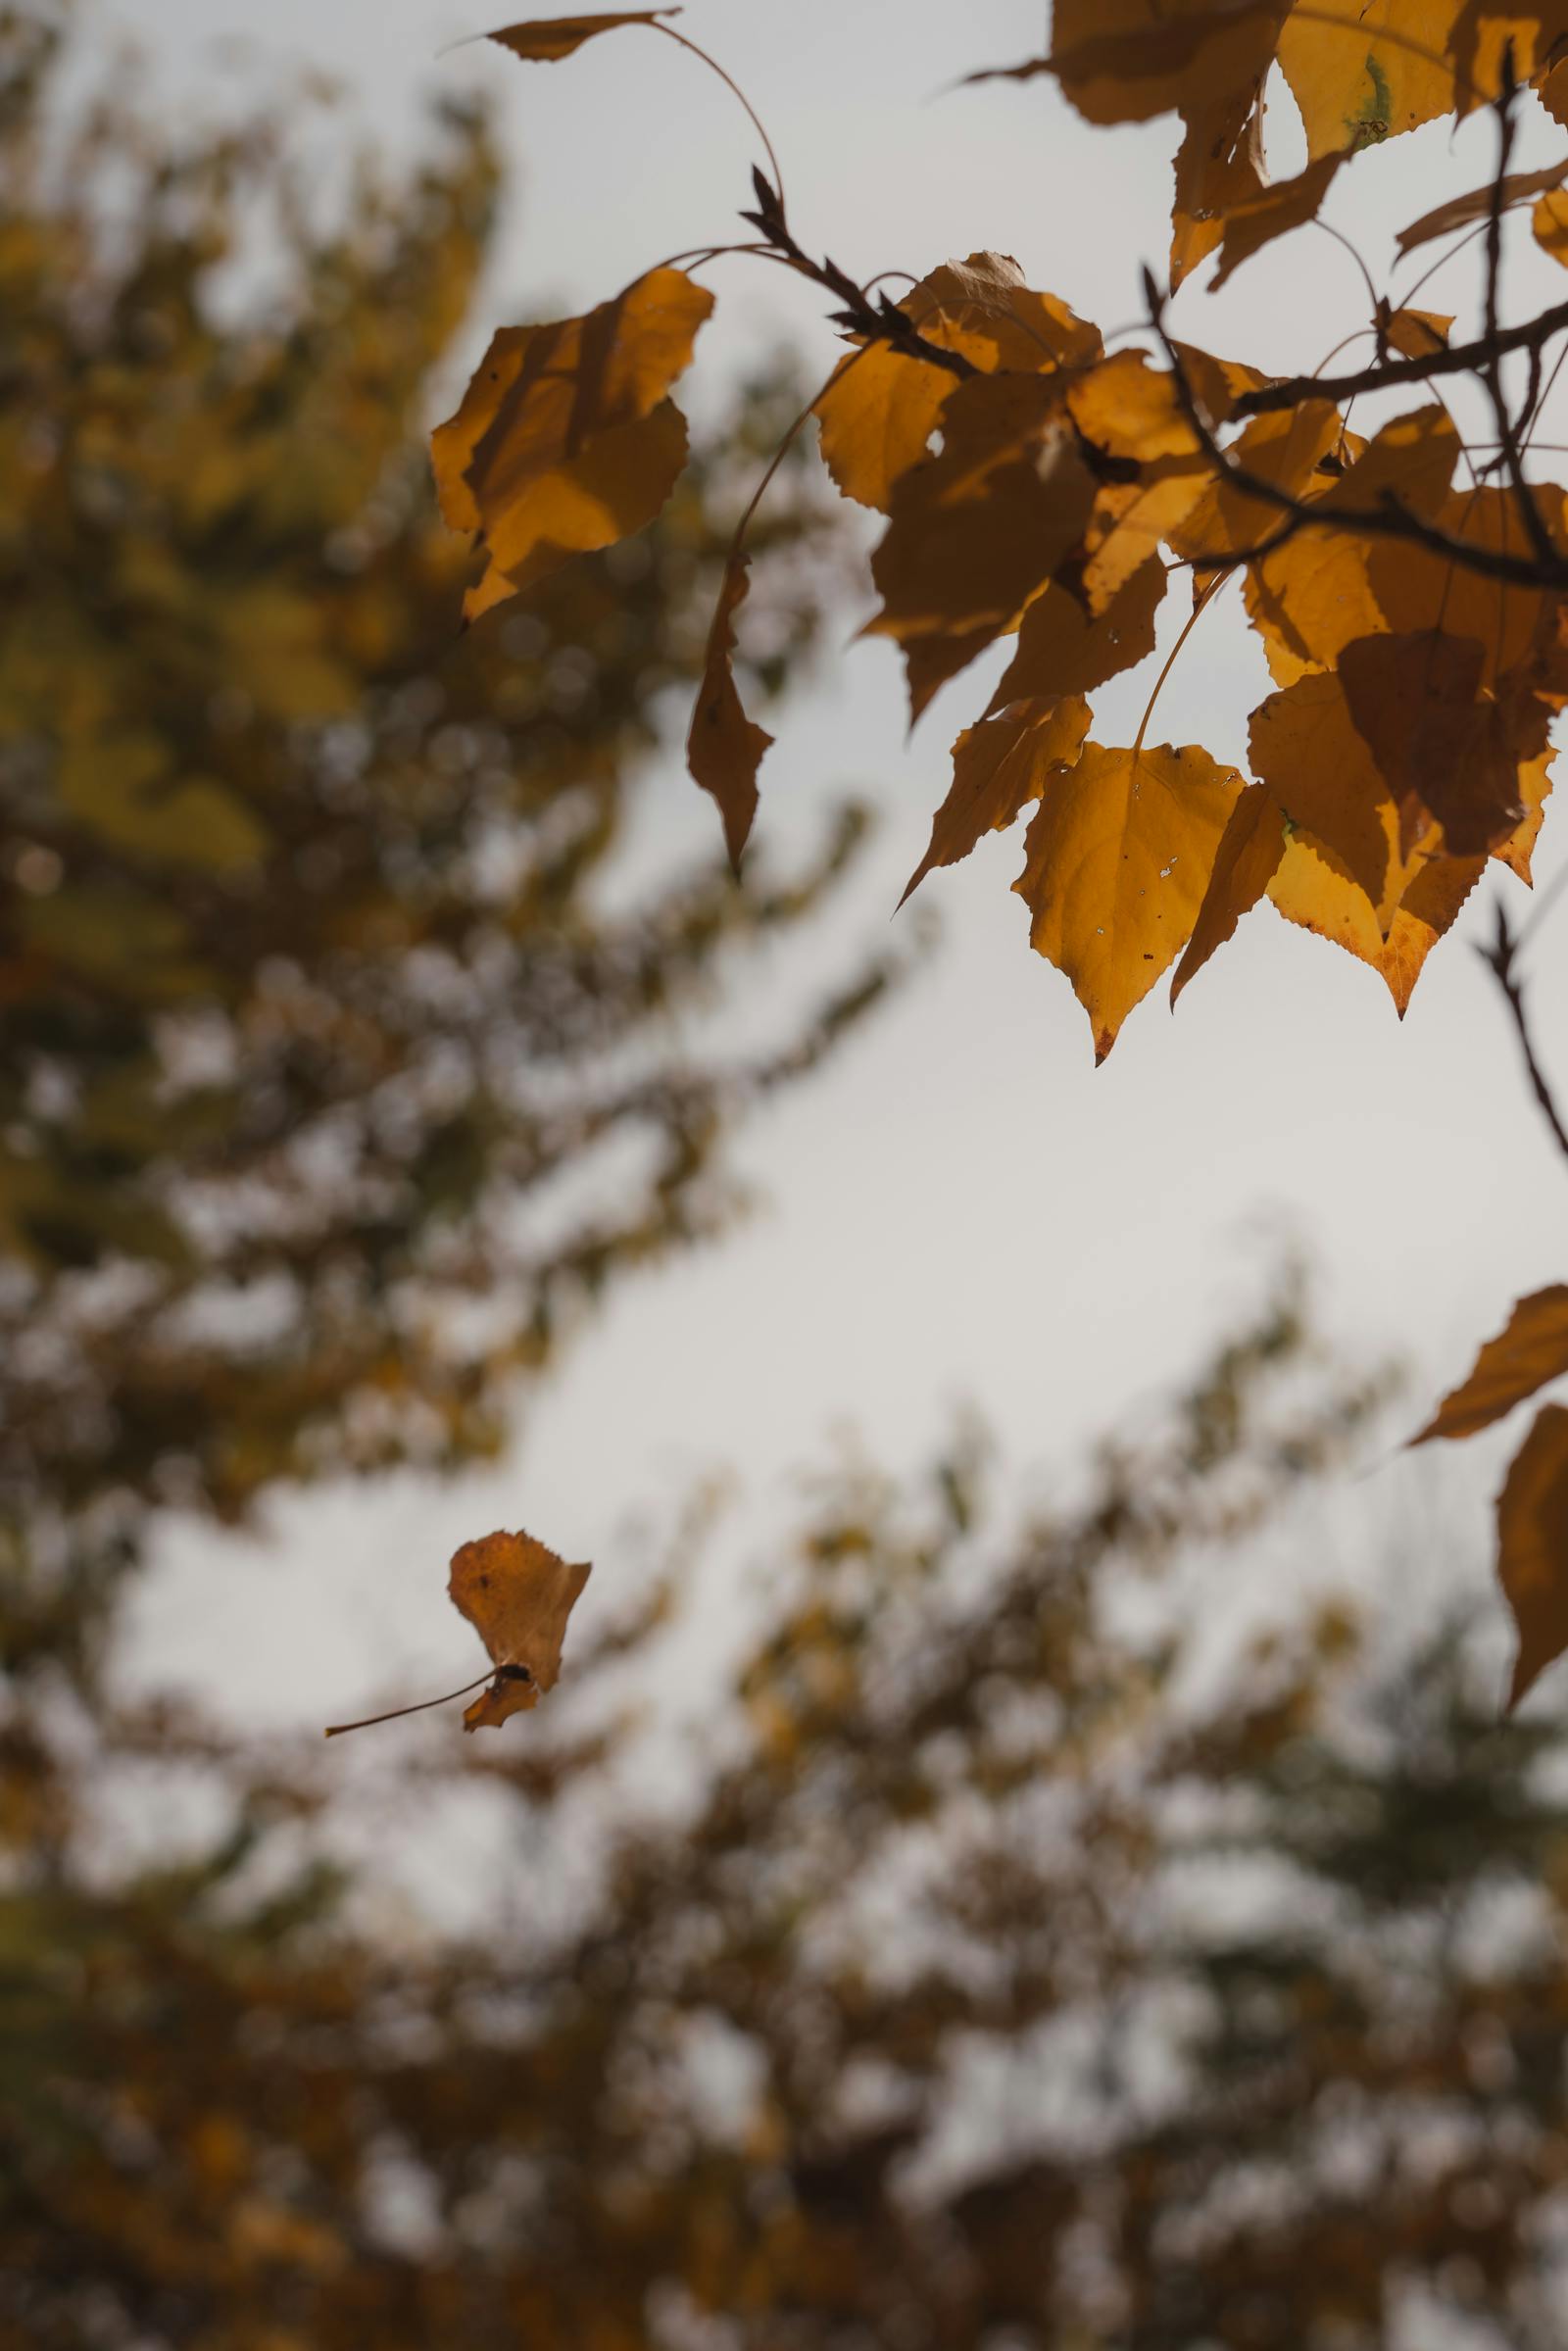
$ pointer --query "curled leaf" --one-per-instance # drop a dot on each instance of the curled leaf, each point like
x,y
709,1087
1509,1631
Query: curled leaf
x,y
1476,204
517,1596
724,747
548,40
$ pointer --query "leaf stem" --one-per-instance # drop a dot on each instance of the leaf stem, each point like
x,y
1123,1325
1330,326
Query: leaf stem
x,y
337,1729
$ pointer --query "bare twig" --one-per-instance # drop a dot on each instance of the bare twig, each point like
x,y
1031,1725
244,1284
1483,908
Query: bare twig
x,y
1536,536
1500,956
1459,359
879,321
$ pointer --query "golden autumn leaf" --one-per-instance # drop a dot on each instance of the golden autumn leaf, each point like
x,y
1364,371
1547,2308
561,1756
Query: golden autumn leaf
x,y
1549,221
1413,588
1131,413
1066,649
547,40
998,767
1312,889
1533,1546
1444,749
567,425
1365,74
878,414
976,530
517,1596
1416,334
1116,865
724,747
1219,166
1245,863
1285,447
1529,1350
1306,746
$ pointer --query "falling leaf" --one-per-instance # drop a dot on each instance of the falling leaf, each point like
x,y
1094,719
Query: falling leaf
x,y
1116,865
1533,1546
977,529
547,40
998,767
724,747
1440,746
1066,649
1529,1350
1245,863
517,1596
567,425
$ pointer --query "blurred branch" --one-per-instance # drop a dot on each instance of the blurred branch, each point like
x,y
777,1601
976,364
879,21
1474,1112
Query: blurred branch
x,y
1500,956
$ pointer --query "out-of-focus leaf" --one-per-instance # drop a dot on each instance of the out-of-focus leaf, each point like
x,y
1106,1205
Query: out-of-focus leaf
x,y
517,1596
1533,1546
1529,1350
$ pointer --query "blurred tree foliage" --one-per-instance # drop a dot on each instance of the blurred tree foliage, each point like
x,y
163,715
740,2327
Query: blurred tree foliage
x,y
1014,1978
312,993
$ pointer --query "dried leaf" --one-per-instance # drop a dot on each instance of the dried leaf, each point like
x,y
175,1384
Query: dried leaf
x,y
1066,649
1288,204
1117,863
1245,863
998,767
1529,1350
548,40
1476,204
1416,334
1441,746
517,1596
1219,168
976,530
724,747
1533,1546
525,451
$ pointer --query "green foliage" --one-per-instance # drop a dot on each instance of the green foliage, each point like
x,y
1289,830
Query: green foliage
x,y
310,986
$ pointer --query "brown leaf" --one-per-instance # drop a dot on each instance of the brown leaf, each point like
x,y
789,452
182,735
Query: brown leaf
x,y
1116,866
1305,745
1127,62
1459,210
1219,167
1533,1546
998,767
1529,1350
1441,747
1284,447
547,40
977,529
1245,863
517,1596
526,445
1064,649
724,747
1416,334
1288,204
1416,589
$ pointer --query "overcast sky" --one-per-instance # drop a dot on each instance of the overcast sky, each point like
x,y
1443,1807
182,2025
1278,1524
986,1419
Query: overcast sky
x,y
961,1207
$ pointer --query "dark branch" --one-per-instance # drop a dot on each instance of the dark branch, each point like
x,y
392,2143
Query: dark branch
x,y
879,321
1500,957
1459,359
1532,523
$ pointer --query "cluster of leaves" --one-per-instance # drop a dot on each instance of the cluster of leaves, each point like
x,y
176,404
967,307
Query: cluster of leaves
x,y
310,985
1041,487
1005,1982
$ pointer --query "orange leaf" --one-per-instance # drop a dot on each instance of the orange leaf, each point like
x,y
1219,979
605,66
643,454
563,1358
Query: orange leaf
x,y
1533,1546
1245,863
1288,204
1305,745
1284,447
517,1596
1219,167
724,747
977,529
1117,863
1062,649
998,767
547,40
1442,747
1549,221
542,400
1529,1351
1388,66
1416,334
1312,889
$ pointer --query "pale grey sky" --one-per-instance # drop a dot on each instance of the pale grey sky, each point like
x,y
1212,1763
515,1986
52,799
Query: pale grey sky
x,y
962,1206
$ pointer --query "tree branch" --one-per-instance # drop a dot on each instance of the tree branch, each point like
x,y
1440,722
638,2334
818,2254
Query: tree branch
x,y
1500,957
1459,359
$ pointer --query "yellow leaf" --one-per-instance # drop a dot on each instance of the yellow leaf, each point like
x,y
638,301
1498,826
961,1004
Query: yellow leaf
x,y
1426,913
1529,1350
1549,221
1306,746
1416,589
881,408
616,486
977,529
1534,784
547,40
1066,649
542,401
1219,166
1361,73
1248,854
1312,888
998,767
1117,863
724,747
1533,1546
517,1596
1284,446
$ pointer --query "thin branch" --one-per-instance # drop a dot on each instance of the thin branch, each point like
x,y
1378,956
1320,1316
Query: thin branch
x,y
1459,359
879,321
1500,957
1532,520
